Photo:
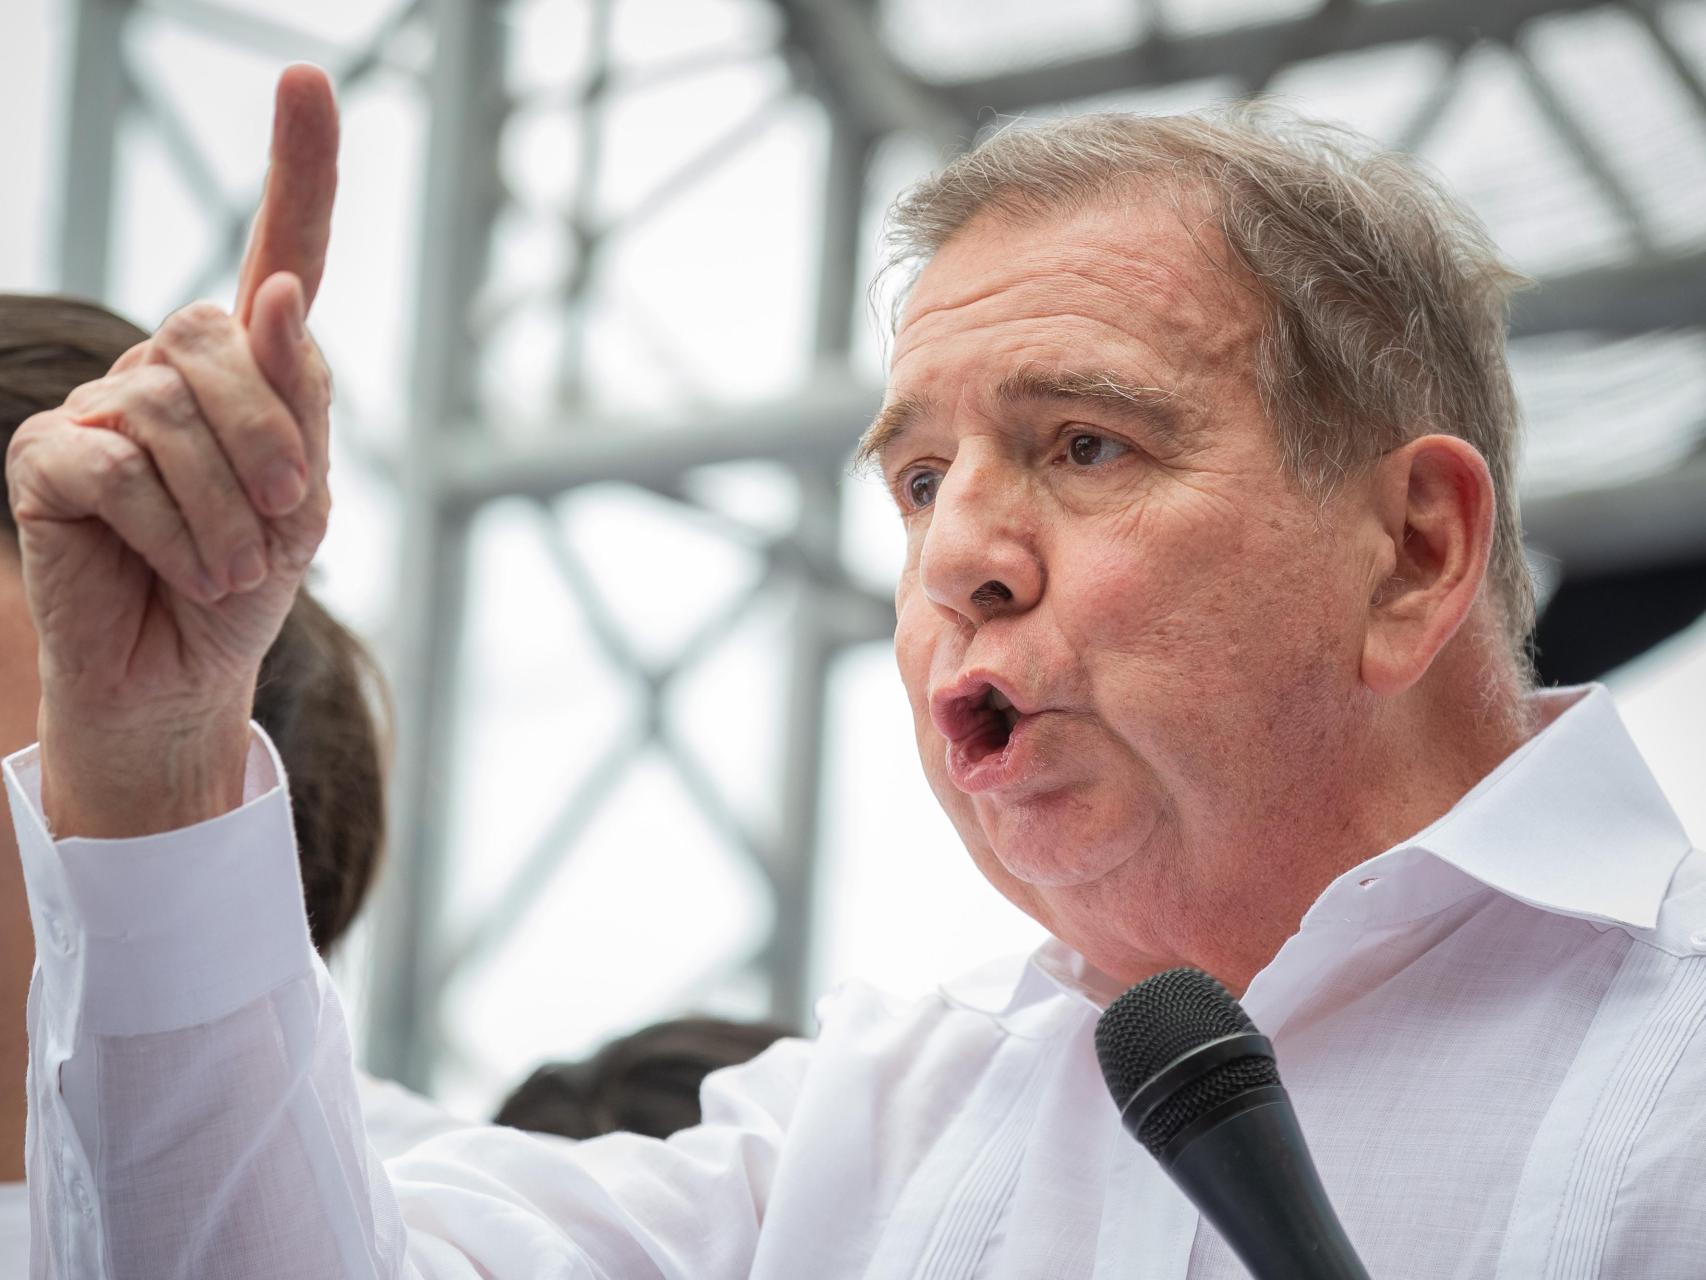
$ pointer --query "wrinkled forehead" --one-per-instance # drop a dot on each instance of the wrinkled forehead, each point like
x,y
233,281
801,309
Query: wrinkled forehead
x,y
1138,287
1131,303
1142,250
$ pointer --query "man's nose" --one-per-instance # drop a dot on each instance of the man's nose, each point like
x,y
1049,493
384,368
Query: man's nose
x,y
979,560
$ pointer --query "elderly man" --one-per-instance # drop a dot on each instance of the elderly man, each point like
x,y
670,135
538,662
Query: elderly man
x,y
1212,624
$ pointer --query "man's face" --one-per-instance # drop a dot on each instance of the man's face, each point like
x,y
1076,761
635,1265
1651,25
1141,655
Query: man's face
x,y
1100,534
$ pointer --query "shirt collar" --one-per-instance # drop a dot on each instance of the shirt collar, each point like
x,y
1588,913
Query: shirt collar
x,y
1017,991
1571,822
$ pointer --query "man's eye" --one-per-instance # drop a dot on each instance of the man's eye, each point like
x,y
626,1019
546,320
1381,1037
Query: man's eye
x,y
921,487
1087,450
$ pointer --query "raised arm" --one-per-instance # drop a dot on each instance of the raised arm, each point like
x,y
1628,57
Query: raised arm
x,y
193,1109
167,513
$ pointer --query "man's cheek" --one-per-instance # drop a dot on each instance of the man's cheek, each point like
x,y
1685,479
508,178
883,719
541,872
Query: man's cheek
x,y
913,642
1105,598
1179,575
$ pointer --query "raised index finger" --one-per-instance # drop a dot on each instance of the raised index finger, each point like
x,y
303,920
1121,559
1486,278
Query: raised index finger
x,y
295,219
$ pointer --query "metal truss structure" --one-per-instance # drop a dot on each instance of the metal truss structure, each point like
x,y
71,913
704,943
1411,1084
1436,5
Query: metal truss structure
x,y
840,56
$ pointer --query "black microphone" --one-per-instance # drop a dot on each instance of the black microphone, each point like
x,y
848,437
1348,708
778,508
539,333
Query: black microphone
x,y
1197,1085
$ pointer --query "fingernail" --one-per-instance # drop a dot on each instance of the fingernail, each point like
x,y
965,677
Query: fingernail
x,y
248,567
282,487
207,588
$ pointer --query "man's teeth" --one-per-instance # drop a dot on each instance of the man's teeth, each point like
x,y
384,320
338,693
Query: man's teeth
x,y
999,702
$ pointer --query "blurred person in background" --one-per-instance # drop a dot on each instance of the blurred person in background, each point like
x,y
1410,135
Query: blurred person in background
x,y
1213,625
647,1082
315,696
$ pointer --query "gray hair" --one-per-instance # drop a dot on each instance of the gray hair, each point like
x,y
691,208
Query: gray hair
x,y
1387,301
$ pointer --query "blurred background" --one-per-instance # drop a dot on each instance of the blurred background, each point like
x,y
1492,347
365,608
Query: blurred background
x,y
597,308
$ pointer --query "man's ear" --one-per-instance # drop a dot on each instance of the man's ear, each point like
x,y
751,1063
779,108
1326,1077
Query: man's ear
x,y
1434,502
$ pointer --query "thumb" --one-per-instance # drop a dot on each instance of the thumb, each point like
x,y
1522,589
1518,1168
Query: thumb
x,y
289,360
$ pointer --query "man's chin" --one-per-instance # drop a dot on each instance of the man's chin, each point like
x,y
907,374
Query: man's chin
x,y
1041,869
1055,846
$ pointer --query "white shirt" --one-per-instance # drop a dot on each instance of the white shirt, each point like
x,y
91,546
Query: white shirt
x,y
1494,1034
14,1230
395,1119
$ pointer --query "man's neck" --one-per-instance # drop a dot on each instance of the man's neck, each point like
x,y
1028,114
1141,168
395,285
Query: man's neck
x,y
1418,763
1392,772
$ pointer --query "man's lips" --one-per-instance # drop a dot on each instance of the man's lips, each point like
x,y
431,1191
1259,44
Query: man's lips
x,y
963,709
989,732
977,765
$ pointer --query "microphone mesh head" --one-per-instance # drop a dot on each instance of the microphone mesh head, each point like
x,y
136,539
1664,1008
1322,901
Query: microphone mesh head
x,y
1157,1022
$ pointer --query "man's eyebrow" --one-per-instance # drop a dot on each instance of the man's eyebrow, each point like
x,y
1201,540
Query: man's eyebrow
x,y
892,422
1157,407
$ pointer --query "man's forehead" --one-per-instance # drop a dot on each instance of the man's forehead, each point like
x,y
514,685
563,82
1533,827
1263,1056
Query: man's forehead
x,y
1122,304
1137,251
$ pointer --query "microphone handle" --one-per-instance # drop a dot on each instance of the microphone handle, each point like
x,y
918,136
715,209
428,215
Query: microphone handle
x,y
1246,1166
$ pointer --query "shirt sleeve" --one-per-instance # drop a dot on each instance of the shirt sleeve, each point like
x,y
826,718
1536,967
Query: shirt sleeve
x,y
194,1109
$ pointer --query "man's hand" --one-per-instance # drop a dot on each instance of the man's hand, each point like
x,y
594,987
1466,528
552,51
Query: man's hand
x,y
166,515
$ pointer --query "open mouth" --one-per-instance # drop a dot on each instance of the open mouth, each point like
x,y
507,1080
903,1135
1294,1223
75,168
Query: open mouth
x,y
979,723
995,728
990,741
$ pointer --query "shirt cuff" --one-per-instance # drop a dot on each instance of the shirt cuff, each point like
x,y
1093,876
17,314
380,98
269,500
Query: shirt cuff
x,y
172,930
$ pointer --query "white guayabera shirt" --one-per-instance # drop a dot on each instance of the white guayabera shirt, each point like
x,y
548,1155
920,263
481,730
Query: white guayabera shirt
x,y
395,1120
1494,1033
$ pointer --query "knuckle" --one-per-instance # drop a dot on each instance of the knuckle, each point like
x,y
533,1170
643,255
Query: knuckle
x,y
24,436
22,466
162,389
134,354
190,326
87,395
120,469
